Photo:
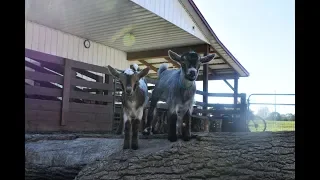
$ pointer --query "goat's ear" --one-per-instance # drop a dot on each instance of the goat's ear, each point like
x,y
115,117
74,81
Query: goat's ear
x,y
207,58
113,72
144,72
174,56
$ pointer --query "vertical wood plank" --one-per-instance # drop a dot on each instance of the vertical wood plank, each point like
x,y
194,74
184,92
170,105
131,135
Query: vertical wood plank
x,y
54,42
59,44
86,54
29,35
112,60
66,91
35,37
70,47
90,54
100,55
95,53
25,32
65,46
42,38
47,44
108,56
104,60
75,48
81,49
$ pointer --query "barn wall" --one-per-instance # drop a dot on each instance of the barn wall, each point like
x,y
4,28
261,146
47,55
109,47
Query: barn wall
x,y
51,41
174,12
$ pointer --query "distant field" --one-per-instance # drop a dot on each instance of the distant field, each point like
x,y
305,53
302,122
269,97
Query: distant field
x,y
280,125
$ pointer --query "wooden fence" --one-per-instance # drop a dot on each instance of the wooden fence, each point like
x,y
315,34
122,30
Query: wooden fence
x,y
213,115
66,95
223,117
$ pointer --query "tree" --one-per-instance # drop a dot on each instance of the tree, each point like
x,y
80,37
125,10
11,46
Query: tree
x,y
274,116
290,116
263,112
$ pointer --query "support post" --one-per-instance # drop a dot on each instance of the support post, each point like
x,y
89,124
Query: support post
x,y
235,90
66,91
243,114
205,84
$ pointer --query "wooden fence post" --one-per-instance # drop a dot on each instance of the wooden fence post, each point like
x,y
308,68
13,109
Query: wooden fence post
x,y
66,91
243,114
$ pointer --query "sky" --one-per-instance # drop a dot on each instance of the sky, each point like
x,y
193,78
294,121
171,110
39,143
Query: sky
x,y
261,35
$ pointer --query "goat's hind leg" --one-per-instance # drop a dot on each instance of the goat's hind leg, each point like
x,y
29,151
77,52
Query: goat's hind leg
x,y
150,117
186,126
135,132
172,122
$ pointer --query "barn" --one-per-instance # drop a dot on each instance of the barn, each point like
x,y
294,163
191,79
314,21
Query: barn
x,y
69,43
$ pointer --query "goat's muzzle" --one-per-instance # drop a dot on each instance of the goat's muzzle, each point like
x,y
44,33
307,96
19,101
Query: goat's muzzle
x,y
129,91
191,74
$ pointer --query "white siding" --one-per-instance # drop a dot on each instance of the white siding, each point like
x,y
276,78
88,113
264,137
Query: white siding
x,y
51,41
174,12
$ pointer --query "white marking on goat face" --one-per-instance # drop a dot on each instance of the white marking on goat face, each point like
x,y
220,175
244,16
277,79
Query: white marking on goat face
x,y
129,71
192,71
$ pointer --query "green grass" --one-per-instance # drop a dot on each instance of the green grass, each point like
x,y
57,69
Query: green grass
x,y
280,125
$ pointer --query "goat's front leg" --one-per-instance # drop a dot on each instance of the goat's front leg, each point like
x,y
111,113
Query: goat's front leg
x,y
127,132
179,124
135,131
186,126
120,127
172,122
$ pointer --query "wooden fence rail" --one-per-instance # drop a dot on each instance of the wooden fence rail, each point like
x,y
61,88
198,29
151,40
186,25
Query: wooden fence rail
x,y
66,95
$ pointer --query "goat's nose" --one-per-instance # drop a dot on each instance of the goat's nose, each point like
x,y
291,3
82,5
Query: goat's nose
x,y
192,73
128,90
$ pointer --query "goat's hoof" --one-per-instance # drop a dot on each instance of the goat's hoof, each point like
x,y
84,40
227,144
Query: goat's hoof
x,y
173,138
134,146
186,138
126,146
146,132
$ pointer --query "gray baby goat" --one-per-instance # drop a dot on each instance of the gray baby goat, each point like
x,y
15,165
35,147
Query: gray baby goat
x,y
177,88
134,99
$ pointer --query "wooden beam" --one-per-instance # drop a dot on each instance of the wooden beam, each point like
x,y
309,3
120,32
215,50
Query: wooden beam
x,y
228,84
235,100
205,81
162,53
216,77
155,63
148,64
175,64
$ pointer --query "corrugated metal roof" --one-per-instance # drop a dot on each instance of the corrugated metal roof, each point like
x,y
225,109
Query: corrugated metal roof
x,y
107,21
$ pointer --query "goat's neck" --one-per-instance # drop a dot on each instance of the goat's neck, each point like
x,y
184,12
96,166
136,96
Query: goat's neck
x,y
184,83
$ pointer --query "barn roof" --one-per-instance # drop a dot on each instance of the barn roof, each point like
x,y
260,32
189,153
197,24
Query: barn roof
x,y
113,22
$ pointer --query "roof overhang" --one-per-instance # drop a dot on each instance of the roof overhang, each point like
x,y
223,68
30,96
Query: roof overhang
x,y
109,21
216,44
